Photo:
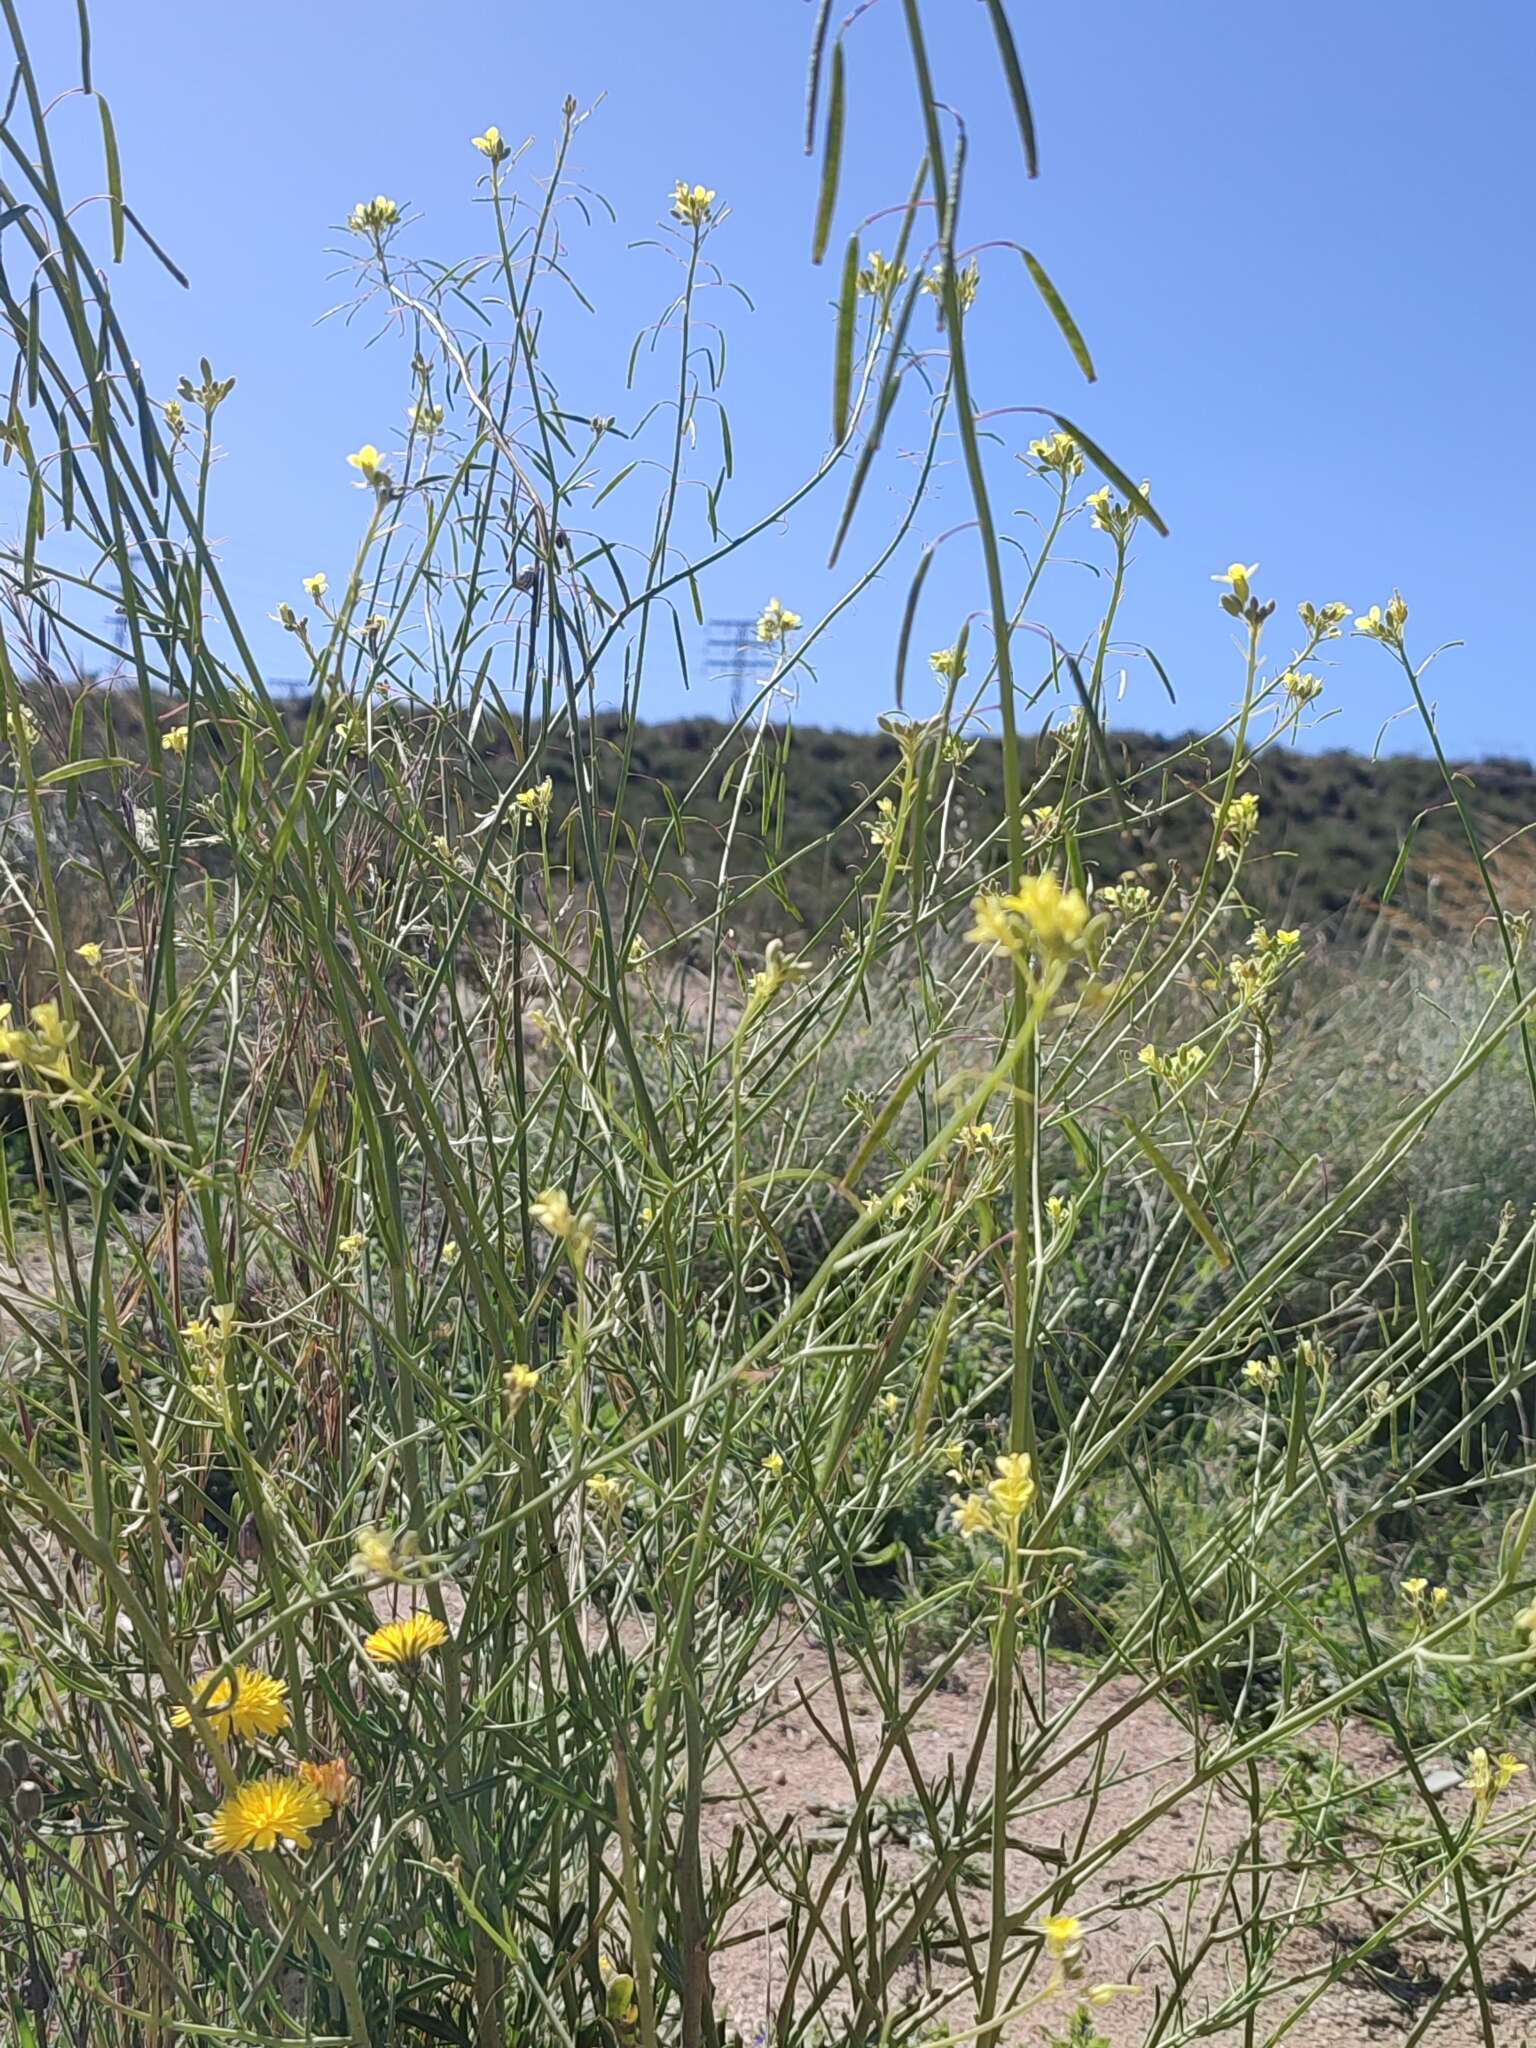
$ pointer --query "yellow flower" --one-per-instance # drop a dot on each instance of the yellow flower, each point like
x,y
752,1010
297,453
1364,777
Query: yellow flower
x,y
90,953
405,1643
370,216
352,1245
1487,1776
245,1702
451,1252
1385,625
175,737
775,621
379,1555
1040,911
1014,1488
973,1515
1263,1373
773,1465
317,585
609,1493
552,1211
537,802
1236,580
1063,1935
490,144
369,461
520,1381
691,204
948,662
266,1811
1058,452
1414,1589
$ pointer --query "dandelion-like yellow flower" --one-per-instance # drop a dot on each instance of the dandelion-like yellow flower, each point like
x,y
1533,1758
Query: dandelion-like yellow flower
x,y
776,620
490,144
266,1811
406,1642
1014,1487
692,204
245,1702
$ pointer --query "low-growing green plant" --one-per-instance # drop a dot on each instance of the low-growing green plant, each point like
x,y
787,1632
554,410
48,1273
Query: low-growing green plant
x,y
550,1340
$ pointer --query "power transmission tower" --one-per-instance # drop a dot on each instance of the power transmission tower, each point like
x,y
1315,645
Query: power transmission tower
x,y
734,652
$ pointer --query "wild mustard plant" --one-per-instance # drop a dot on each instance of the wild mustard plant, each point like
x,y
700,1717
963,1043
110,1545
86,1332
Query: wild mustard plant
x,y
483,1344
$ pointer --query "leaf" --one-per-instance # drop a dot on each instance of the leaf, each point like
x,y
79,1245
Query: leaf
x,y
1178,1187
114,177
1056,306
832,160
842,368
1401,862
71,771
1133,493
1013,71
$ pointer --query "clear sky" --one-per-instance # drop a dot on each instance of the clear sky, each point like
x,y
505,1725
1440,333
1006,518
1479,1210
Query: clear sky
x,y
1296,238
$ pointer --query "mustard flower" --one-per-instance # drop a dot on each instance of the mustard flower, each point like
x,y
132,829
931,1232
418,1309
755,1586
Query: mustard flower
x,y
776,621
692,204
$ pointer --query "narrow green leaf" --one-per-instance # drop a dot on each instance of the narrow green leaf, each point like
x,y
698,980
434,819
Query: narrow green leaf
x,y
114,177
847,320
71,771
1178,1187
832,160
1056,307
1133,493
1401,863
1013,71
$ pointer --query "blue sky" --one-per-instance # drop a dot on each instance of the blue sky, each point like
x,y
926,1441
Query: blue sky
x,y
1289,236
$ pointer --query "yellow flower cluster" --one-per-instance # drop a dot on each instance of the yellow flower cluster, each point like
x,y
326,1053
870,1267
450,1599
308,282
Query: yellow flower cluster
x,y
1173,1067
879,279
776,621
1487,1777
1039,916
692,204
1385,625
1058,452
552,1211
537,803
373,216
44,1050
1255,973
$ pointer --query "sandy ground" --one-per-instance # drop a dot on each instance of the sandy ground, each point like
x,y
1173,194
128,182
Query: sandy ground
x,y
1141,1915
